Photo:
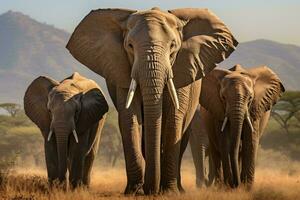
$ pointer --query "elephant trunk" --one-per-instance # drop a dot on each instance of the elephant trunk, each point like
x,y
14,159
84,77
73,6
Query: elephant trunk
x,y
62,135
152,75
237,116
152,123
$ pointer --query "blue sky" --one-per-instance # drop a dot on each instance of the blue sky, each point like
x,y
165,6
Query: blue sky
x,y
277,20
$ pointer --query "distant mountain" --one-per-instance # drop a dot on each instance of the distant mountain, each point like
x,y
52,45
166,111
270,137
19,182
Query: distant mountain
x,y
29,48
284,59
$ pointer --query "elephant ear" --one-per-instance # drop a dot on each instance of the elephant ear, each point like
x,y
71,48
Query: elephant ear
x,y
268,89
206,42
35,102
97,39
210,93
93,107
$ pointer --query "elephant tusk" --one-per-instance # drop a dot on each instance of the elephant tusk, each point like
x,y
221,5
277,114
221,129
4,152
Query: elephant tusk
x,y
49,135
75,135
224,124
130,94
250,123
173,93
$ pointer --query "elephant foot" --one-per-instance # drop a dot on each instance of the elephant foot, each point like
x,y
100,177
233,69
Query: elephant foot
x,y
200,184
247,186
57,184
77,184
172,190
134,189
209,183
181,189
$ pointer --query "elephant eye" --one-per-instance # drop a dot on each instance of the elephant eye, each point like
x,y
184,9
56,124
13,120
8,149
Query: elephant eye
x,y
173,43
251,98
130,46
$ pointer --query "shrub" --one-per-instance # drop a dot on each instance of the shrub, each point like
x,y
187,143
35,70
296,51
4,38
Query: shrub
x,y
6,167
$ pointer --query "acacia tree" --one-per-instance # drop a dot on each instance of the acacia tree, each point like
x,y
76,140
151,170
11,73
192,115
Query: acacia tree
x,y
287,110
11,108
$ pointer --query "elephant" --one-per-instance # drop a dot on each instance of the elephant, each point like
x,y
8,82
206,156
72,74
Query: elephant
x,y
70,115
138,53
199,144
236,108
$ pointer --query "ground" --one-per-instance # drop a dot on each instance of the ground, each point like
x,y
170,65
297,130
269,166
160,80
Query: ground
x,y
108,184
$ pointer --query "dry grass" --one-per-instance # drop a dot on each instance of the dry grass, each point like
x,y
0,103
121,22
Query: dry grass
x,y
109,184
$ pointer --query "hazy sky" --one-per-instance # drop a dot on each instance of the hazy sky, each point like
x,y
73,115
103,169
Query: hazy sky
x,y
277,20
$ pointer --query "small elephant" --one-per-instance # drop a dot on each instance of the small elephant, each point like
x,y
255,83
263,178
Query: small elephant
x,y
70,115
237,106
152,62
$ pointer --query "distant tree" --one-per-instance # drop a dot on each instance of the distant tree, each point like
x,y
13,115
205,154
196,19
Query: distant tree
x,y
287,109
11,108
111,143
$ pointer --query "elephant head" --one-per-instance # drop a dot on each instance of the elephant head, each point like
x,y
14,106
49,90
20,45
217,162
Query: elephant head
x,y
151,49
62,109
237,96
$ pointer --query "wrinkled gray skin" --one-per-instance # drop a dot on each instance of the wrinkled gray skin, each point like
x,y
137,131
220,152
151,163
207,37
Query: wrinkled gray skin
x,y
164,53
244,97
66,111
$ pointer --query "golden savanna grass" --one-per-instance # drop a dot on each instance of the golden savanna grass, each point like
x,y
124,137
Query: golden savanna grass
x,y
273,183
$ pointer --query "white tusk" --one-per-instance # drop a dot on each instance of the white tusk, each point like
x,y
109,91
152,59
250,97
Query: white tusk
x,y
75,135
250,123
49,135
224,123
173,93
131,91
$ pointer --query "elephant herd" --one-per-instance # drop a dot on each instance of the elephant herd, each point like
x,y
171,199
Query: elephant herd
x,y
139,53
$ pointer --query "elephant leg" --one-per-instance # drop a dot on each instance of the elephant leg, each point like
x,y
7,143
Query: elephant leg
x,y
211,169
198,154
216,166
76,169
169,168
249,154
88,163
51,160
130,121
134,160
225,157
89,160
183,145
77,154
93,146
175,123
131,132
171,143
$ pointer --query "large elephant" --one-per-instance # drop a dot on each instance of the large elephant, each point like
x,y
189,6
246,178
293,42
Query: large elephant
x,y
237,106
138,53
70,115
